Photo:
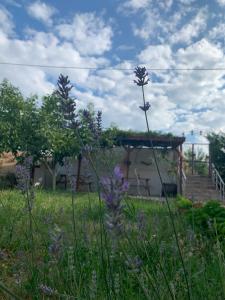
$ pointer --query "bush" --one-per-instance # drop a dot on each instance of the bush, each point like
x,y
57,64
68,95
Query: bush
x,y
183,203
209,219
8,181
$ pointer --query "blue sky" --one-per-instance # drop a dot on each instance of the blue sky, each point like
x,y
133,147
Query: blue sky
x,y
161,34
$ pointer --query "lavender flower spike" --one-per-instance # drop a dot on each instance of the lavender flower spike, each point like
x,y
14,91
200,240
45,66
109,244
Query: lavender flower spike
x,y
142,76
23,174
113,189
145,107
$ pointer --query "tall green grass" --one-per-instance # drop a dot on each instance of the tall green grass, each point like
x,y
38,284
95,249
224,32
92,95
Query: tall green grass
x,y
144,265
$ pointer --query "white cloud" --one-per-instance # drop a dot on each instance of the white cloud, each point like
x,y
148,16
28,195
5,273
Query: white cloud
x,y
134,5
151,22
221,2
89,34
6,23
192,29
44,49
218,32
159,22
159,56
180,99
41,11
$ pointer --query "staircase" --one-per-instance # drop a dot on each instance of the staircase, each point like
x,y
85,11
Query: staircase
x,y
200,188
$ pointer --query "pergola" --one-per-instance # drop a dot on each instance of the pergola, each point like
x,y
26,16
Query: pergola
x,y
152,142
164,141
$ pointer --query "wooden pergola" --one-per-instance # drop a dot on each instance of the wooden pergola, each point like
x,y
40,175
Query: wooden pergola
x,y
152,142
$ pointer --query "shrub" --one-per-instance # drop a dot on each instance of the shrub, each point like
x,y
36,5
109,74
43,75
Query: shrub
x,y
8,181
209,219
183,203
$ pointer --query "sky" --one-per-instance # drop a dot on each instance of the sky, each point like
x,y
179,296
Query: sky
x,y
108,39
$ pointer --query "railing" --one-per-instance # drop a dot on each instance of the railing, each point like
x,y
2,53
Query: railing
x,y
184,175
184,179
218,181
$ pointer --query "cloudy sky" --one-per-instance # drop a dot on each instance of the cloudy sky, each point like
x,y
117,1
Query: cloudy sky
x,y
108,39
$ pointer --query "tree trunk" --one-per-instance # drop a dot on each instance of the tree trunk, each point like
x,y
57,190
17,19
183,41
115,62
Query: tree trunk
x,y
53,172
54,176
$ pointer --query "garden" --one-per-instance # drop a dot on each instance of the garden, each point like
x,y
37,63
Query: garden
x,y
106,244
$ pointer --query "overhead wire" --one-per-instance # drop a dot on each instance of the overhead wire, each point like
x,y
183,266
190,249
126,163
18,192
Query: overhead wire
x,y
105,68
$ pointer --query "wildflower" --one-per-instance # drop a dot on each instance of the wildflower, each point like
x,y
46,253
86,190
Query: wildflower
x,y
141,224
69,169
142,76
47,219
17,278
71,264
113,190
23,174
117,284
3,255
145,107
99,122
46,290
93,285
134,264
56,237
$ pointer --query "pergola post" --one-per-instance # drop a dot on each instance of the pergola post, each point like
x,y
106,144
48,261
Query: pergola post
x,y
181,170
127,161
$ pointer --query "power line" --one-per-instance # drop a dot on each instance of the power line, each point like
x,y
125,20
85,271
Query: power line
x,y
106,68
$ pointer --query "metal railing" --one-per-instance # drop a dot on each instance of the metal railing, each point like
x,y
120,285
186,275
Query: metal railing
x,y
218,182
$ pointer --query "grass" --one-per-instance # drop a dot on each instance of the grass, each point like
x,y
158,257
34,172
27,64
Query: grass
x,y
144,263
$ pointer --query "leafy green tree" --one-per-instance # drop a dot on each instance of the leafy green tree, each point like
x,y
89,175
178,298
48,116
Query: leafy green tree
x,y
200,165
11,110
32,141
217,151
61,142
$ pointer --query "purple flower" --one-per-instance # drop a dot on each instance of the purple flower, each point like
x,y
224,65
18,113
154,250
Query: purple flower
x,y
141,225
69,169
145,107
99,122
142,76
56,237
134,264
46,290
113,189
23,174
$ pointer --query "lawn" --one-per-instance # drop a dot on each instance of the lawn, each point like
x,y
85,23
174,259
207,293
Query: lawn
x,y
78,257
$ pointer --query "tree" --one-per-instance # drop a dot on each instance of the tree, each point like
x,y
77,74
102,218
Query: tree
x,y
200,165
11,110
217,152
61,141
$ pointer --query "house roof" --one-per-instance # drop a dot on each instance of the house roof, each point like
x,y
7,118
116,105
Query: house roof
x,y
169,142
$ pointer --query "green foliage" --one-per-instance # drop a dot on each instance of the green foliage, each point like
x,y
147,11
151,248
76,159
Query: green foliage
x,y
209,219
183,203
31,140
200,166
60,142
217,144
11,110
20,122
8,181
132,133
89,268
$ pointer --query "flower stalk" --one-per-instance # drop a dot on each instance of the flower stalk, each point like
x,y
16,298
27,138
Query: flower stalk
x,y
142,79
